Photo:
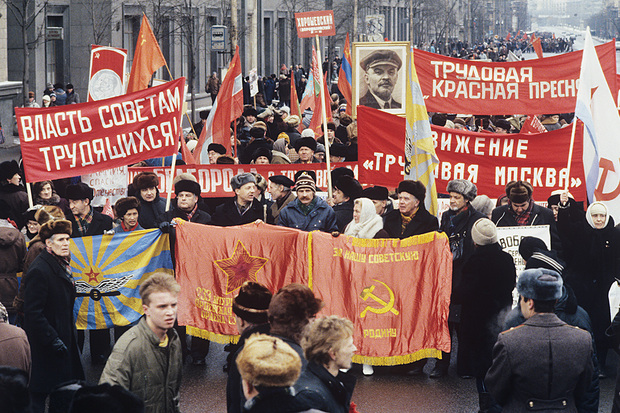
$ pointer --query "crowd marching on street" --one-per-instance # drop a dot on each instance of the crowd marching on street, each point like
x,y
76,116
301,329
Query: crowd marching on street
x,y
546,353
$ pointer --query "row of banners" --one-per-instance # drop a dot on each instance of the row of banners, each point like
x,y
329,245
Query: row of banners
x,y
396,292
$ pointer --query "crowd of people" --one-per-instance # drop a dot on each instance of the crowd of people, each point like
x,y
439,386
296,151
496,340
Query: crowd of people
x,y
284,357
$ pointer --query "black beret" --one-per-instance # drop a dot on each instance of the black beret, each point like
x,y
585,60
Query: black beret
x,y
204,114
69,86
79,191
8,169
281,180
376,193
307,142
187,186
415,188
216,147
381,57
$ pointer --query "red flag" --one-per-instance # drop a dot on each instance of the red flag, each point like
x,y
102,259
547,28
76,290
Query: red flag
x,y
107,209
532,125
537,47
146,59
227,107
295,109
188,157
508,37
317,115
345,76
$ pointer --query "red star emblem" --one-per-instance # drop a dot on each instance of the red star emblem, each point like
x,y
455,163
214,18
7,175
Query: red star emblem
x,y
239,268
92,275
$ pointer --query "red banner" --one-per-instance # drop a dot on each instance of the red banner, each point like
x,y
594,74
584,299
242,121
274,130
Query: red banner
x,y
489,160
66,141
315,23
215,179
531,87
398,318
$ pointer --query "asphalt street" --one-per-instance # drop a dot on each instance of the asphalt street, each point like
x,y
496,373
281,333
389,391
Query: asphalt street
x,y
204,388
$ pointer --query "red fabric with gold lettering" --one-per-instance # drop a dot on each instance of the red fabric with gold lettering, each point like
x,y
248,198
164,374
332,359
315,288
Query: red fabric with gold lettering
x,y
489,160
396,292
213,262
532,87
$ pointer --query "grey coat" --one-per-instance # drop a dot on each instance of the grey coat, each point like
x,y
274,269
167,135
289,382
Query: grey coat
x,y
543,364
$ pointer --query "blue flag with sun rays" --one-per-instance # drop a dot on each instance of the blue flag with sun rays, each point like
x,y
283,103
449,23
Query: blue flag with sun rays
x,y
108,271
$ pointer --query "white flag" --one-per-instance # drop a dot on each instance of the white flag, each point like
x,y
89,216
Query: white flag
x,y
601,141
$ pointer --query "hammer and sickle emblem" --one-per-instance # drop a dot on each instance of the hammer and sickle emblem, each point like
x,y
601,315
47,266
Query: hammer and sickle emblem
x,y
387,306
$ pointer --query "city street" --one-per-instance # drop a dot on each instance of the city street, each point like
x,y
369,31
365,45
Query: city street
x,y
204,389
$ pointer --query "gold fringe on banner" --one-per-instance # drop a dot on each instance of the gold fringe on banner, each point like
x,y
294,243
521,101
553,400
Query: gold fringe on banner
x,y
397,360
310,260
218,338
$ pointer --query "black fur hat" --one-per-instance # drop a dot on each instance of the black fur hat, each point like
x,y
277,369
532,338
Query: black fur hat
x,y
125,204
145,180
79,191
415,188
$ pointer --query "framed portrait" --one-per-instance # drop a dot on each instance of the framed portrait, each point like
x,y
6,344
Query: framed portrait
x,y
380,76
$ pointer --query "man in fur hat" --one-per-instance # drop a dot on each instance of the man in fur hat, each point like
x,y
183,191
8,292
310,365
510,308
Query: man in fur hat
x,y
346,190
305,148
250,309
411,218
187,193
281,194
521,210
49,295
243,208
308,212
543,364
379,196
269,367
85,220
215,150
456,223
127,211
152,206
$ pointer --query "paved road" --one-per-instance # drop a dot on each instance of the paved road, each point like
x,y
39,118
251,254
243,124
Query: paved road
x,y
204,389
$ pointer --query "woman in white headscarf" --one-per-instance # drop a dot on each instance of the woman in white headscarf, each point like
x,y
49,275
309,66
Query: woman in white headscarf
x,y
366,223
592,259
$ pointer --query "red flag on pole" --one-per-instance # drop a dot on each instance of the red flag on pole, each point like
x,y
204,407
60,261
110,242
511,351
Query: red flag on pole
x,y
227,107
146,59
317,119
295,109
537,47
345,76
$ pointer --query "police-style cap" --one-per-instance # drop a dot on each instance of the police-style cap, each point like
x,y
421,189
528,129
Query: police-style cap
x,y
381,57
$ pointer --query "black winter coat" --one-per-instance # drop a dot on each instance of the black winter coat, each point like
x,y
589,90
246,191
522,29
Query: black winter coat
x,y
151,213
485,292
344,214
592,264
458,229
98,225
320,390
421,223
16,197
48,314
227,214
503,216
235,398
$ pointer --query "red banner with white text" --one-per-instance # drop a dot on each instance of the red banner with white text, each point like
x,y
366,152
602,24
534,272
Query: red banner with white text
x,y
532,87
396,292
66,141
489,160
215,179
